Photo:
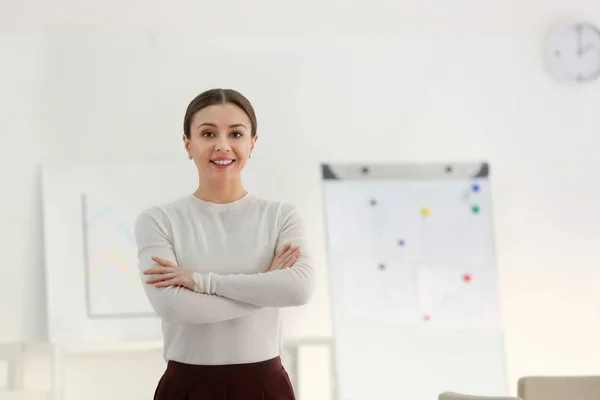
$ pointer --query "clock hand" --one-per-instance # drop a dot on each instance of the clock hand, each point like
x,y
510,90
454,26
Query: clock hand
x,y
579,39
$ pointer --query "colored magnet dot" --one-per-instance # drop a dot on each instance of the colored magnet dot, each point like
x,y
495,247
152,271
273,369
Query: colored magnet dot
x,y
467,278
475,187
382,266
427,317
401,242
448,169
425,212
373,202
475,209
365,170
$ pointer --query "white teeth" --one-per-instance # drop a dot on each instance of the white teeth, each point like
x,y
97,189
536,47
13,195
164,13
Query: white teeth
x,y
223,162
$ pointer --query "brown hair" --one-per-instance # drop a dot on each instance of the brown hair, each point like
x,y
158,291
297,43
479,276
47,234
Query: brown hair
x,y
218,96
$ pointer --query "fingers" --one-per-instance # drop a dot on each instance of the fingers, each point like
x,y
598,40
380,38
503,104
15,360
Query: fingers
x,y
286,252
158,270
290,259
280,256
171,282
275,263
285,257
163,262
285,248
161,278
165,266
168,276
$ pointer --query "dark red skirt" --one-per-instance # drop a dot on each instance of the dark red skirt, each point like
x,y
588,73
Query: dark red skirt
x,y
265,380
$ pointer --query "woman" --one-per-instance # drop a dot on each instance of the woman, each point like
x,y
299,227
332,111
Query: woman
x,y
220,263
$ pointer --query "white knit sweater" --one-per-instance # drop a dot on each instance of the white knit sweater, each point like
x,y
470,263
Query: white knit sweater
x,y
235,317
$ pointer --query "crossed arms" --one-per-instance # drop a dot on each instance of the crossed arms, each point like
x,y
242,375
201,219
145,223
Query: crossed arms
x,y
224,297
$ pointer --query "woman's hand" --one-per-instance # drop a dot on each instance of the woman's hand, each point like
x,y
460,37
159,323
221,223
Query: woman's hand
x,y
285,258
169,274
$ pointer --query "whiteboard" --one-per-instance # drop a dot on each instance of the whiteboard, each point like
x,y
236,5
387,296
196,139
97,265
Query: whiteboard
x,y
94,291
413,280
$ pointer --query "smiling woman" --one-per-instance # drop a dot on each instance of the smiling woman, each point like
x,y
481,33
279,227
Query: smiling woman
x,y
221,263
219,135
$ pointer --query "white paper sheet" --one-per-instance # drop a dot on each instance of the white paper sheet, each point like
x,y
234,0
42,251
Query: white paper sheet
x,y
460,298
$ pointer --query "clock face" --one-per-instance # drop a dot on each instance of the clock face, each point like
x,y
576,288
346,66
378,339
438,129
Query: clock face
x,y
575,53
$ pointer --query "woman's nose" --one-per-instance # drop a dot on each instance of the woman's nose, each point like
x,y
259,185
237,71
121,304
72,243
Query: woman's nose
x,y
222,144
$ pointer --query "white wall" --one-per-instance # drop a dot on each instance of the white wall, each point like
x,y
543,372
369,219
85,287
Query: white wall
x,y
385,81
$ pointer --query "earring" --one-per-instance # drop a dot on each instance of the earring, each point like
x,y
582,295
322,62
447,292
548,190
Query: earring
x,y
190,157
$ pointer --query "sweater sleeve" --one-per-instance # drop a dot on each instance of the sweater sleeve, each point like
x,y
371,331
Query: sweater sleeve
x,y
177,304
281,288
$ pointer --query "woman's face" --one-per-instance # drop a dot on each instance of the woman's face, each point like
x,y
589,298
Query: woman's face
x,y
220,141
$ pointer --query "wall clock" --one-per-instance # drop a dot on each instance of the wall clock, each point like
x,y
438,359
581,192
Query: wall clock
x,y
575,53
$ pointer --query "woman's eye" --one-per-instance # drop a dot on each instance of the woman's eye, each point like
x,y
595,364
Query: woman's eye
x,y
207,133
236,134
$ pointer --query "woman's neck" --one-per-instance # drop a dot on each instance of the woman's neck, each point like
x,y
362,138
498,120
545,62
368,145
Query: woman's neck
x,y
221,192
